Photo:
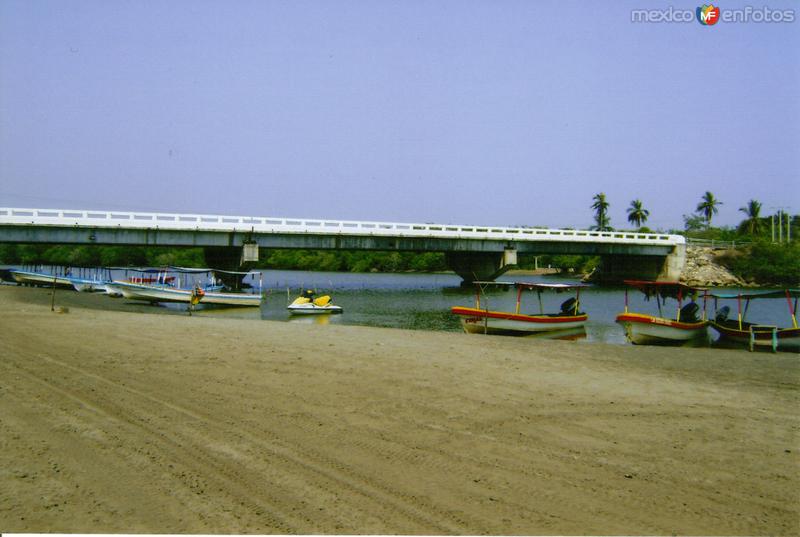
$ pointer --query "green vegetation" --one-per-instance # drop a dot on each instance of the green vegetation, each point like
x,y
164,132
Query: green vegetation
x,y
600,206
353,261
762,258
767,263
708,207
637,214
578,264
752,225
765,257
122,256
100,256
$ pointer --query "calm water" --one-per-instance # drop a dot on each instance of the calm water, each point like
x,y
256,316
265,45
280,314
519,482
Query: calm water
x,y
423,301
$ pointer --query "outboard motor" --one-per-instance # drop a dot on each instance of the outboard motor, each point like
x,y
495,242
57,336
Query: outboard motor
x,y
688,313
568,307
722,314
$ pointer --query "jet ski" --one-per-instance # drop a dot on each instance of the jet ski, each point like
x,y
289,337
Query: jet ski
x,y
304,305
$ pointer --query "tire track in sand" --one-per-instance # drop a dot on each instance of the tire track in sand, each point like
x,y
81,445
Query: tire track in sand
x,y
193,457
335,476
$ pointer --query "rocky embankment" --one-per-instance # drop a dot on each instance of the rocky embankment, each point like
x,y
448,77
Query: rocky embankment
x,y
703,269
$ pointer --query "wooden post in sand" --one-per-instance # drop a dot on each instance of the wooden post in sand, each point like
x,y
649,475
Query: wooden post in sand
x,y
53,295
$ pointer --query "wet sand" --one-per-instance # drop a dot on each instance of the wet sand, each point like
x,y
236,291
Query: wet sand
x,y
119,421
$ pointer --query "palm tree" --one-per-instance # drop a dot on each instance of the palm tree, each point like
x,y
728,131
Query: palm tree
x,y
600,207
753,212
708,207
637,214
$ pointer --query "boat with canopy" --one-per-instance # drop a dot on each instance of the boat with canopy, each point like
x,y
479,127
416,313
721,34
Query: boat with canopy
x,y
687,327
569,321
27,277
742,332
169,289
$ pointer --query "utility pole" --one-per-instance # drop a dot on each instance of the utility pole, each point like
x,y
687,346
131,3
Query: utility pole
x,y
772,227
780,224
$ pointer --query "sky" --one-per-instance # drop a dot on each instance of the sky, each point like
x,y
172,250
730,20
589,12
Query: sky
x,y
447,111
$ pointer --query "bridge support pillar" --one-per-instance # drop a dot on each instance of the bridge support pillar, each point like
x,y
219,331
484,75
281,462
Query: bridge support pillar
x,y
227,258
480,266
673,265
616,268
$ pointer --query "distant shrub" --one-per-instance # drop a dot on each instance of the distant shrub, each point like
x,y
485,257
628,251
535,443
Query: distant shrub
x,y
767,264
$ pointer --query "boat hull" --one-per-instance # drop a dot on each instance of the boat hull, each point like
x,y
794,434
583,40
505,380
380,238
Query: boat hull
x,y
787,339
641,329
88,286
151,293
313,309
83,287
477,321
231,299
38,278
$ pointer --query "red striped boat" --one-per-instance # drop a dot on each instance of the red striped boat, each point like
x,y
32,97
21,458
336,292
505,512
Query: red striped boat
x,y
568,322
753,334
686,328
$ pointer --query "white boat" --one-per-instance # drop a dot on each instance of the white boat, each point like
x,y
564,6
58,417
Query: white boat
x,y
86,285
93,280
111,291
306,306
569,322
148,292
231,299
686,328
40,278
166,293
83,286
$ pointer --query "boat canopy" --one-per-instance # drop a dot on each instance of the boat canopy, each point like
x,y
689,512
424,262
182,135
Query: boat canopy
x,y
139,269
533,285
201,270
186,270
782,293
663,289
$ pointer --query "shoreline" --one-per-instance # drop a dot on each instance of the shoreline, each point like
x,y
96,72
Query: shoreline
x,y
115,422
718,277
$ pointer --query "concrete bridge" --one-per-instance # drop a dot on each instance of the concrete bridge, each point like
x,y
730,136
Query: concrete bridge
x,y
473,252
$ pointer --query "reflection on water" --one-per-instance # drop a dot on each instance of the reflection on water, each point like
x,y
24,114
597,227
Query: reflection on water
x,y
319,319
423,301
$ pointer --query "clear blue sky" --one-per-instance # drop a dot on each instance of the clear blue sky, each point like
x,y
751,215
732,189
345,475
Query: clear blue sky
x,y
484,112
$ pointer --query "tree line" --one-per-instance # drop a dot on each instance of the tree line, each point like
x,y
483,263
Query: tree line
x,y
753,226
161,256
769,256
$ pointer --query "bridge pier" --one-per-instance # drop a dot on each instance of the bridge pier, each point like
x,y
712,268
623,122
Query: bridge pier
x,y
616,268
480,266
227,258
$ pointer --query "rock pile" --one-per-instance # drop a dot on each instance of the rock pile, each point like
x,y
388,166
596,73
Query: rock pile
x,y
703,270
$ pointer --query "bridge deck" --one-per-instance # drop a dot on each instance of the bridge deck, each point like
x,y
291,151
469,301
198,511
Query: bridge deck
x,y
268,225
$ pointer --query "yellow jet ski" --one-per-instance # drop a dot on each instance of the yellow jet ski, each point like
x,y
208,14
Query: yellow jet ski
x,y
305,305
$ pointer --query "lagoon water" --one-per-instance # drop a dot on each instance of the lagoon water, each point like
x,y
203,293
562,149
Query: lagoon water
x,y
423,301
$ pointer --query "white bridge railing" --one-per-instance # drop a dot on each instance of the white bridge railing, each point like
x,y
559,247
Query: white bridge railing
x,y
201,222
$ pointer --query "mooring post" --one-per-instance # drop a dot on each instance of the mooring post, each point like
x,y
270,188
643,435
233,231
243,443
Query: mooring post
x,y
53,295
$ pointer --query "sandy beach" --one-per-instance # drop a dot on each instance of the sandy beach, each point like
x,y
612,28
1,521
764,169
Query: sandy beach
x,y
128,422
